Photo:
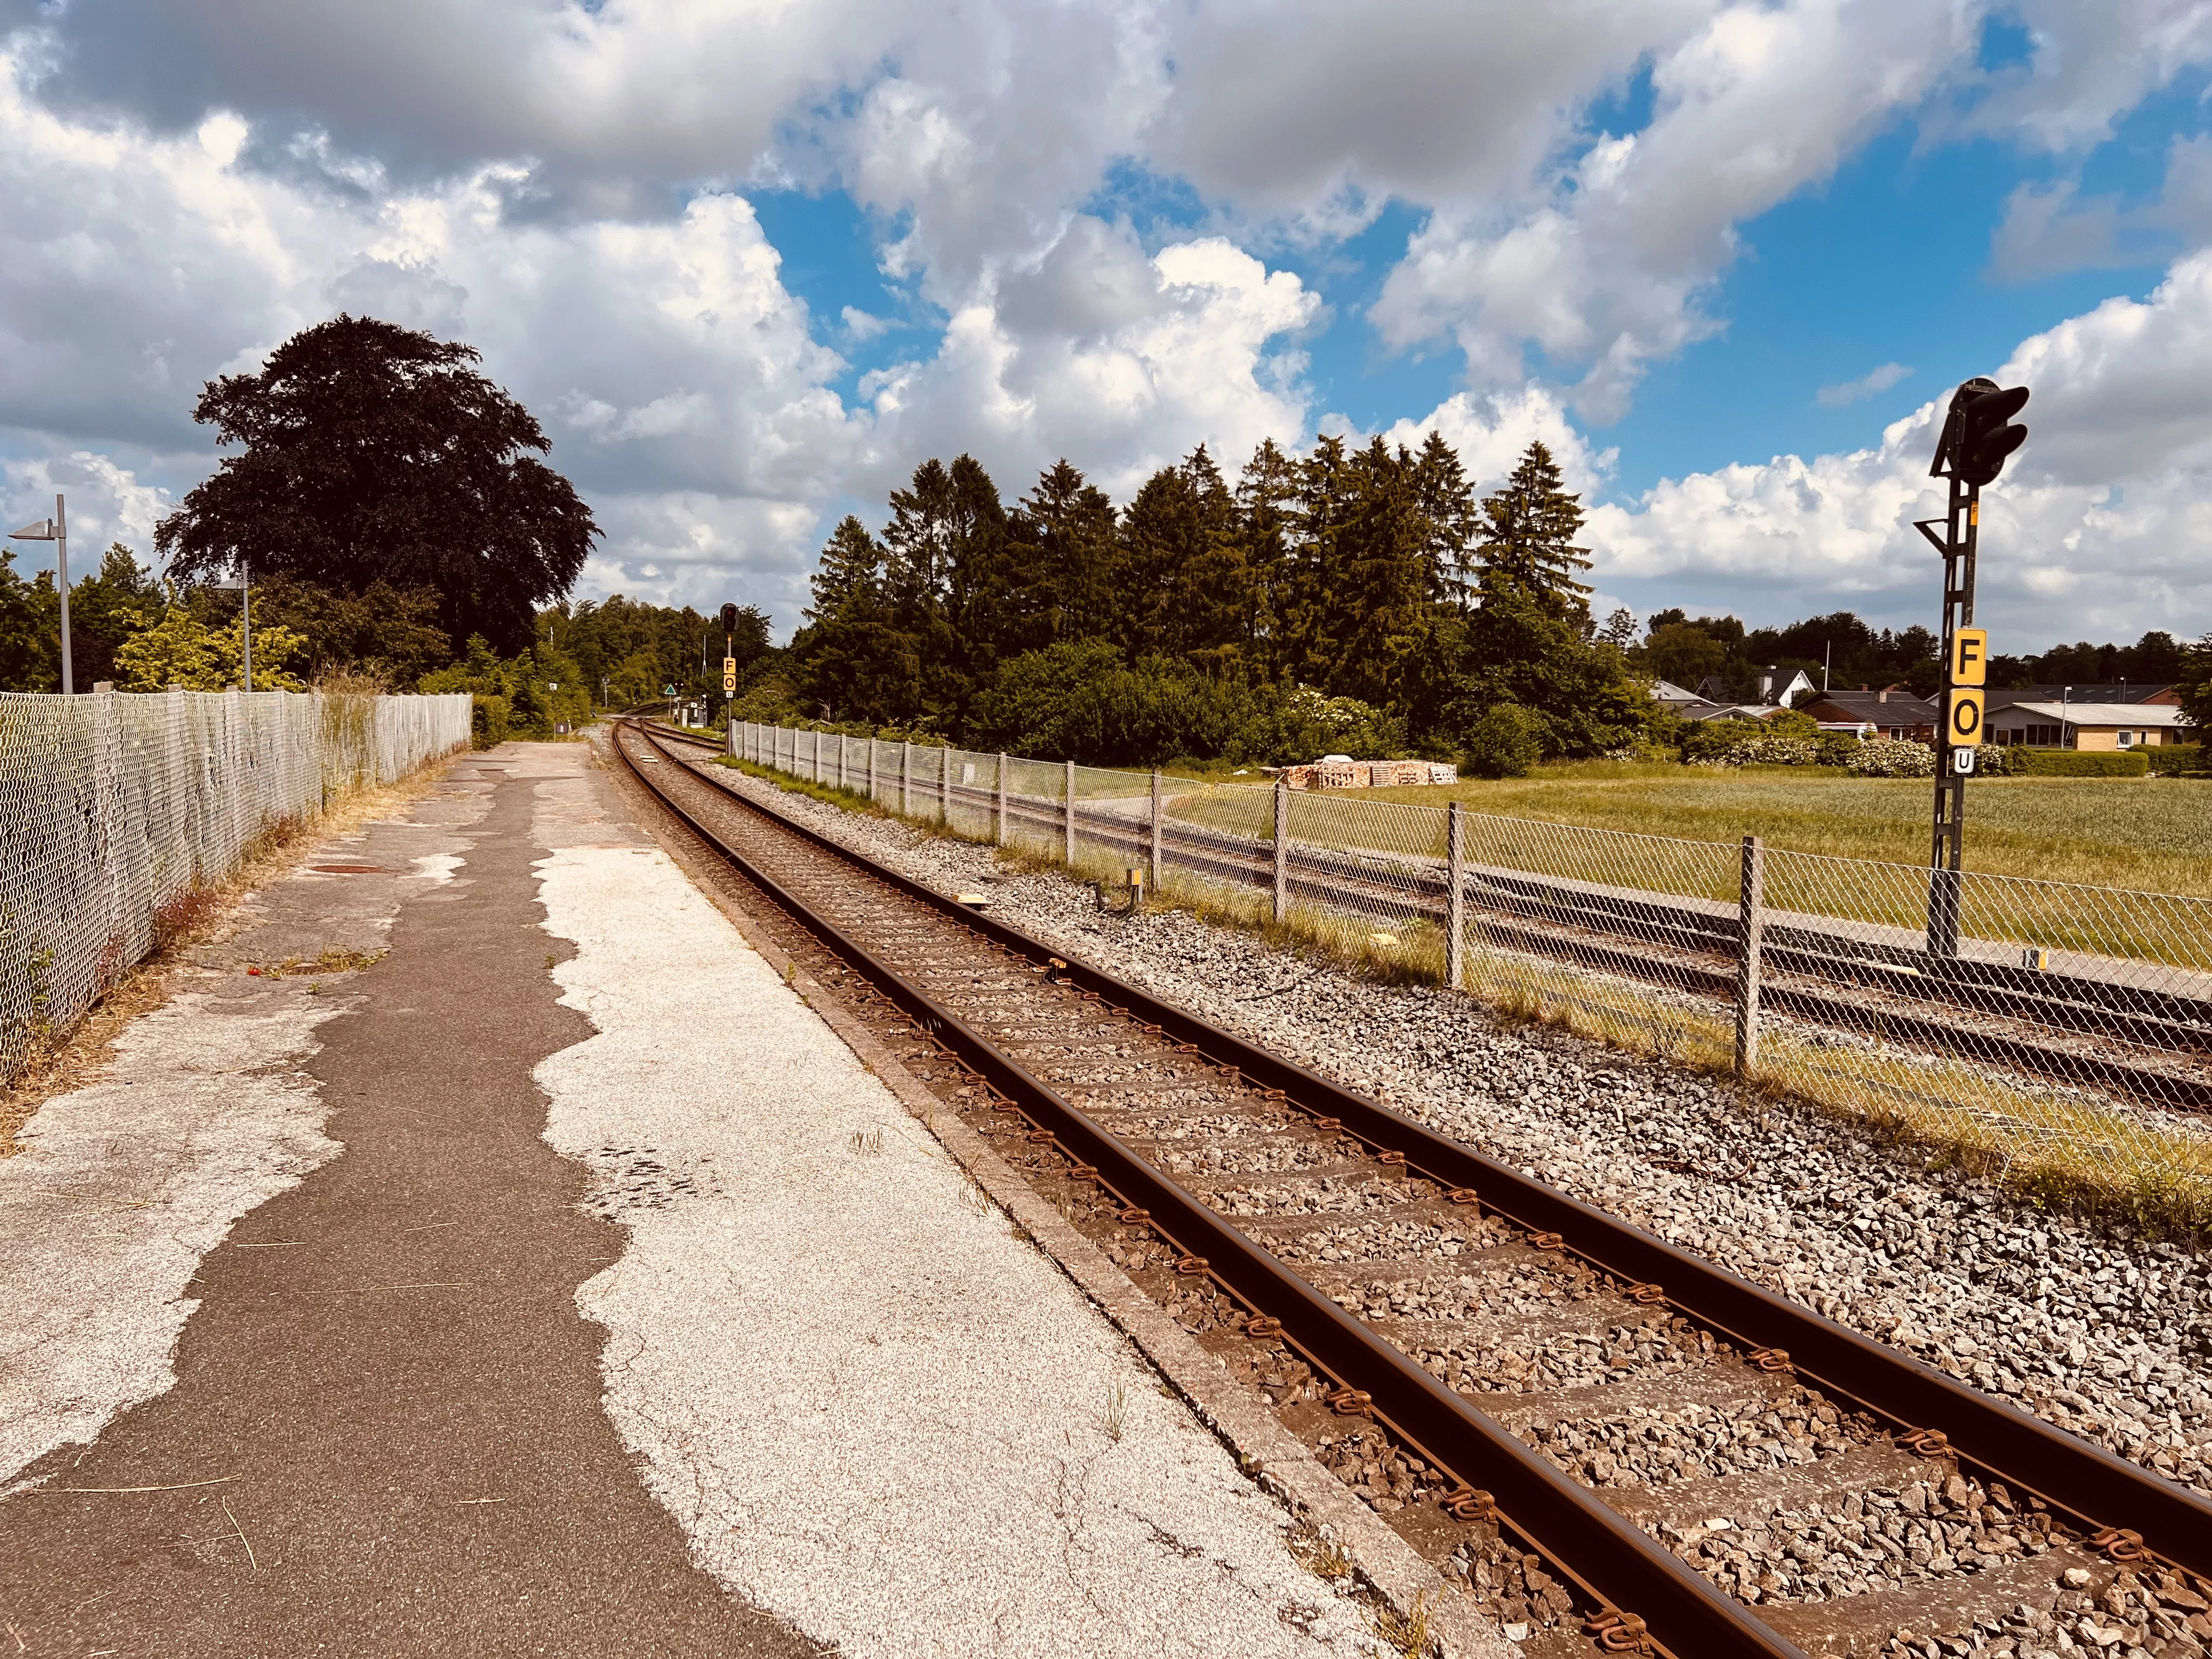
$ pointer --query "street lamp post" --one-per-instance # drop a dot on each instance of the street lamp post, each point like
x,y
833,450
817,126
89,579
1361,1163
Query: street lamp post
x,y
244,586
55,530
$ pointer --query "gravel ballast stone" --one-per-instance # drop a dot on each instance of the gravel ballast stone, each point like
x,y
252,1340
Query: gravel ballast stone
x,y
2106,1332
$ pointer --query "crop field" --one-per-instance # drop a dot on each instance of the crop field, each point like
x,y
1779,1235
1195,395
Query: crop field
x,y
2151,834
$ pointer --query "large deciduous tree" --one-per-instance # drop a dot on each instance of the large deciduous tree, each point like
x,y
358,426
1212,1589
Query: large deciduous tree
x,y
373,454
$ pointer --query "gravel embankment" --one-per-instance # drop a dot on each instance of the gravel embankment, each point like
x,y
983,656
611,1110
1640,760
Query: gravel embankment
x,y
2106,1333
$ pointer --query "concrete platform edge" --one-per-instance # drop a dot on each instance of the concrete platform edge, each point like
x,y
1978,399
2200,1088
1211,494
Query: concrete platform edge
x,y
1385,1563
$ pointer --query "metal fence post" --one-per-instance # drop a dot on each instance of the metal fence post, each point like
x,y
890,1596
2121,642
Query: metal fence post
x,y
1455,900
1156,832
998,829
1067,815
1751,923
732,736
817,762
872,768
843,742
944,785
906,779
1282,849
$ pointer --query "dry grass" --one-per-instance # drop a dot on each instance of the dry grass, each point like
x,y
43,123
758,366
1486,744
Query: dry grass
x,y
59,1061
2064,1149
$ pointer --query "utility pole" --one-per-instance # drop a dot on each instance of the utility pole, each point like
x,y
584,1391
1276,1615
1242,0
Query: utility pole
x,y
1977,436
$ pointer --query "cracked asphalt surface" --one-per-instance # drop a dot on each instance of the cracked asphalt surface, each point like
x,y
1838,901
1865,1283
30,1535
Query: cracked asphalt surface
x,y
385,1433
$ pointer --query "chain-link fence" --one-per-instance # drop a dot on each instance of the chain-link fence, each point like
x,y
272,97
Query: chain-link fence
x,y
2063,1031
116,805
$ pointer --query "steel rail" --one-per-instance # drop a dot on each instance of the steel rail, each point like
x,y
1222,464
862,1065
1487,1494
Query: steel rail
x,y
1684,1613
2069,1474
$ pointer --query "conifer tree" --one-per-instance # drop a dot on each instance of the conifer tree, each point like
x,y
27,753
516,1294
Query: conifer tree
x,y
1379,595
1063,534
1528,533
1267,500
858,662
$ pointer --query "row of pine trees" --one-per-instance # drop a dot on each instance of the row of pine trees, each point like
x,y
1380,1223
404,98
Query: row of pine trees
x,y
1381,575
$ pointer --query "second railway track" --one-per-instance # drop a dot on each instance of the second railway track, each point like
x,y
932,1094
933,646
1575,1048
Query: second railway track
x,y
1604,1437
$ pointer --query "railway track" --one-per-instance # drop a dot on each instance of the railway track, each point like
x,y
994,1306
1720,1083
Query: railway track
x,y
2074,1028
1611,1444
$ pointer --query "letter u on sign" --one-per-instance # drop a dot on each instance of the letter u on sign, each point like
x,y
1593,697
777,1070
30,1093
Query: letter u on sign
x,y
1962,715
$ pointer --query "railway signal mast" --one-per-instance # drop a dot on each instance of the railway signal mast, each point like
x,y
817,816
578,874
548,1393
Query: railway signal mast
x,y
1979,433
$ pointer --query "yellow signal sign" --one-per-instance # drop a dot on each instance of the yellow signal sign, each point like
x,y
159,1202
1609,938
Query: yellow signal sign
x,y
729,676
1962,716
1970,657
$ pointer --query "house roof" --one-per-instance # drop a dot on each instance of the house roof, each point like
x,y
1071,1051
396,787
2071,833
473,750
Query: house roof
x,y
2103,713
1899,708
2110,691
1667,691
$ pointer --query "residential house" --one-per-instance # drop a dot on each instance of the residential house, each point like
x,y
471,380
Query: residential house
x,y
2066,724
1893,712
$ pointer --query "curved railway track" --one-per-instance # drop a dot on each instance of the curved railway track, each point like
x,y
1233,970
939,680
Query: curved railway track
x,y
1602,1436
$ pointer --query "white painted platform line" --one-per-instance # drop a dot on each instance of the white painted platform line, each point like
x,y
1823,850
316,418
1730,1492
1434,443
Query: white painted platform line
x,y
121,1187
877,1413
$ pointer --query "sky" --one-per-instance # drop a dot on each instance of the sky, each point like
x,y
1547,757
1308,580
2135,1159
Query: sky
x,y
750,262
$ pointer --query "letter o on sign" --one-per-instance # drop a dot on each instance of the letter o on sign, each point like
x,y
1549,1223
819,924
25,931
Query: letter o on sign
x,y
1963,716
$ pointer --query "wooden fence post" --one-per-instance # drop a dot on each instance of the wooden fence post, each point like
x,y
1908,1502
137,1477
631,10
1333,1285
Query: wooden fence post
x,y
1751,923
1455,902
1282,849
1156,833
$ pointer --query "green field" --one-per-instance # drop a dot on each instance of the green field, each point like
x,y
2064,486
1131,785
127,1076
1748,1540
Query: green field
x,y
2152,833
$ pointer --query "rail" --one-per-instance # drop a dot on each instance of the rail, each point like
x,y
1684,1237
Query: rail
x,y
1615,1561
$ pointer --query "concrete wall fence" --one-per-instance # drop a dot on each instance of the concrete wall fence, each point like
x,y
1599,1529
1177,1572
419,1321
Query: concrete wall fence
x,y
114,805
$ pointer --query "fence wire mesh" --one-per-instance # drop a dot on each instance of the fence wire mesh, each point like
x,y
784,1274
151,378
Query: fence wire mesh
x,y
115,806
2064,1032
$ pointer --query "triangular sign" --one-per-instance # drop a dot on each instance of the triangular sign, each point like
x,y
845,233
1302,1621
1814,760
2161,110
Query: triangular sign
x,y
39,529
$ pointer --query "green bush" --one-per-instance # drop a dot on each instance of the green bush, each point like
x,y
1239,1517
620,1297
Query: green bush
x,y
1507,742
1709,741
1080,700
2183,760
2082,763
1771,748
1295,724
1834,749
1893,757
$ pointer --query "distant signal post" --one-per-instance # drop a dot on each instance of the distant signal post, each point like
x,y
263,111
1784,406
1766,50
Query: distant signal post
x,y
1979,433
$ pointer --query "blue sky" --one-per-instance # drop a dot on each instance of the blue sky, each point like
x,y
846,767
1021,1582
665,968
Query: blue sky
x,y
750,264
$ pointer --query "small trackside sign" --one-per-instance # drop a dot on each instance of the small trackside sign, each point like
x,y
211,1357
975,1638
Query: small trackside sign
x,y
1962,716
1970,657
